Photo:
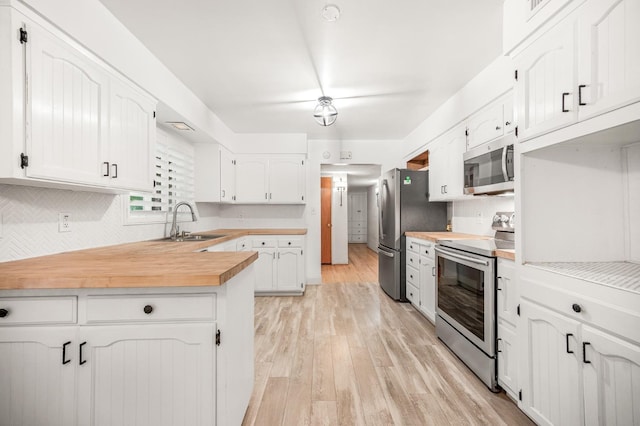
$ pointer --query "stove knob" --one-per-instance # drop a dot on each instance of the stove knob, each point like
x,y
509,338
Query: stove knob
x,y
504,218
496,219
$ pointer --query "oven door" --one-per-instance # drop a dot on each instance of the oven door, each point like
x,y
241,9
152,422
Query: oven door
x,y
465,294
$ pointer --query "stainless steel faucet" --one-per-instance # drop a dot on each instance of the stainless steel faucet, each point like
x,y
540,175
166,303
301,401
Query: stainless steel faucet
x,y
174,228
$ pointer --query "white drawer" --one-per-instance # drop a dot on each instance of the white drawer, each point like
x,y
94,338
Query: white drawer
x,y
263,242
243,245
412,259
413,294
38,310
151,308
412,276
355,238
412,246
290,242
427,249
359,231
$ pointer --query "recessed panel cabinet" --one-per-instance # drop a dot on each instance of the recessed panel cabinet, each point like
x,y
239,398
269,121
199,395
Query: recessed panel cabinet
x,y
421,277
73,120
280,266
446,170
274,180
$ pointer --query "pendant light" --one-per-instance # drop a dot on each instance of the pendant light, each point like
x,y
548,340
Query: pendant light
x,y
325,113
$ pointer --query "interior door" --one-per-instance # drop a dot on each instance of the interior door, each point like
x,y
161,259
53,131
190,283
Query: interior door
x,y
325,219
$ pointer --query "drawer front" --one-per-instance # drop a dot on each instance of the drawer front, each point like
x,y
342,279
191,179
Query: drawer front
x,y
290,242
413,294
358,231
413,276
427,249
355,238
413,259
243,245
151,308
38,310
412,246
358,224
263,242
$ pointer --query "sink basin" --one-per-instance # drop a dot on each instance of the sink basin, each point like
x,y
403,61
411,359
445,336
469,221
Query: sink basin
x,y
193,237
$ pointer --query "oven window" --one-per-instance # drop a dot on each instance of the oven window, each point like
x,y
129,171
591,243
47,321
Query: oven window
x,y
461,294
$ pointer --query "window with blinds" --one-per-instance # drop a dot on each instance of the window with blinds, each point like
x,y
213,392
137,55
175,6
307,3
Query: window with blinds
x,y
173,181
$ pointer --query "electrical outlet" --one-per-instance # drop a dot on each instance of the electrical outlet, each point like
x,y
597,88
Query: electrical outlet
x,y
64,222
479,218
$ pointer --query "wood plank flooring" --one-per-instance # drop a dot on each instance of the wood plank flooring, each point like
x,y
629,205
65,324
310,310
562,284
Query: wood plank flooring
x,y
346,354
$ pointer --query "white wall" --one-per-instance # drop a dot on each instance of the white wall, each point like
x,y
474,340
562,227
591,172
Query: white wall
x,y
633,201
372,217
475,216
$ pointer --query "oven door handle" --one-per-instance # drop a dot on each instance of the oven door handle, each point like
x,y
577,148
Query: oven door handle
x,y
462,257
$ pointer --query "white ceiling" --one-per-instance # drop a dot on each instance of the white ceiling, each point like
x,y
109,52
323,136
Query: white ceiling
x,y
261,65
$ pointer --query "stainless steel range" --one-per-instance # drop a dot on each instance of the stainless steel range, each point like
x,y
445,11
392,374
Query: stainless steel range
x,y
466,297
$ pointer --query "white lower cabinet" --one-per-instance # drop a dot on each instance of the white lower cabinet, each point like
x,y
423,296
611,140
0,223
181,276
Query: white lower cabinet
x,y
181,355
420,274
507,299
574,368
280,265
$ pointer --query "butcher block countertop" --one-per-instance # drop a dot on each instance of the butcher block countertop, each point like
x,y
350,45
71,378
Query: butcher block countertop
x,y
437,236
154,263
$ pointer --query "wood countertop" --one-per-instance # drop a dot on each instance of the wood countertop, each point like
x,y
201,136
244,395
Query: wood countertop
x,y
154,263
437,236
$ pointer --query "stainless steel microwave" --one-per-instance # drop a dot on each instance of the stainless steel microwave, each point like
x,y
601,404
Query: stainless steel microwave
x,y
489,168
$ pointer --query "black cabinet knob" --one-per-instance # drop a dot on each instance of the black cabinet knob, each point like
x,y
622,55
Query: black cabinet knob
x,y
148,309
576,307
289,242
263,243
3,313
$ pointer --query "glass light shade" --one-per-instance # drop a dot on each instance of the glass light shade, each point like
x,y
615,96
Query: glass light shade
x,y
325,113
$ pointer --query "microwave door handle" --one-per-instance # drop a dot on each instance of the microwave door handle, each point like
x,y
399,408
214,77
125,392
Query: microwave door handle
x,y
505,173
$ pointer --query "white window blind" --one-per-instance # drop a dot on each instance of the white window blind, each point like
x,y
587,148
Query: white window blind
x,y
173,181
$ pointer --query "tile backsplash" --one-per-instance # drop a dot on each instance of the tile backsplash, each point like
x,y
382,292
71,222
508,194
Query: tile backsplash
x,y
475,216
30,222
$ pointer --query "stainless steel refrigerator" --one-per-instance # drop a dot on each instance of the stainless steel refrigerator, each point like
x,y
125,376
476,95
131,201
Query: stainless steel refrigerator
x,y
403,206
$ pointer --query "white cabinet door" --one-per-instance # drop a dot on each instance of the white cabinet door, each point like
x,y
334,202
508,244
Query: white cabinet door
x,y
486,125
611,369
438,161
551,369
131,138
427,287
288,271
545,94
446,177
38,382
508,359
148,375
252,180
286,180
227,176
507,292
609,55
265,269
67,111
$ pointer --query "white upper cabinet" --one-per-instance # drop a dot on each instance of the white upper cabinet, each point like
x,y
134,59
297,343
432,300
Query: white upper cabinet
x,y
274,180
486,125
128,164
609,55
227,176
286,180
252,180
446,177
545,89
67,110
75,122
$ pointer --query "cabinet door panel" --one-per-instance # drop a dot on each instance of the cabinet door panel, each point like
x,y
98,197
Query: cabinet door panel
x,y
486,125
131,139
286,181
545,74
227,176
507,294
507,359
68,111
611,380
288,273
251,180
428,287
149,375
36,388
265,269
609,55
438,162
551,377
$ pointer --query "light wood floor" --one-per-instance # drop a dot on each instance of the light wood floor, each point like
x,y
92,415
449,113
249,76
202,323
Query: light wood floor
x,y
346,354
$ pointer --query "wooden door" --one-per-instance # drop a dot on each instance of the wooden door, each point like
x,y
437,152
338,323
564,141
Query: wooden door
x,y
325,219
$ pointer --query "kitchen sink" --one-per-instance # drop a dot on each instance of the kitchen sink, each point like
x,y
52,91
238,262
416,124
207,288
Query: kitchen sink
x,y
192,238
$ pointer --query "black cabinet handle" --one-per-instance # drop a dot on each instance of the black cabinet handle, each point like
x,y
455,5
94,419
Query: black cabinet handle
x,y
567,341
64,353
576,308
4,313
584,352
564,95
582,86
115,173
82,361
148,309
106,163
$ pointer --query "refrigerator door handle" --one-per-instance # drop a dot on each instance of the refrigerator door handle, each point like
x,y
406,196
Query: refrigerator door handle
x,y
383,206
385,253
